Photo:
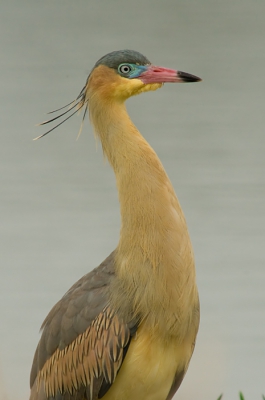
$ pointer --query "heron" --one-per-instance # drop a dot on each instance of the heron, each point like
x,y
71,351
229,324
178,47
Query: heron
x,y
127,329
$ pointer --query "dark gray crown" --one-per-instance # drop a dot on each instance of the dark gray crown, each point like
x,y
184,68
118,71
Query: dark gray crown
x,y
115,58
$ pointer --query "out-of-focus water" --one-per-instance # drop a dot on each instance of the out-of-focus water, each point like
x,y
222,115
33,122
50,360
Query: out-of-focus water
x,y
59,210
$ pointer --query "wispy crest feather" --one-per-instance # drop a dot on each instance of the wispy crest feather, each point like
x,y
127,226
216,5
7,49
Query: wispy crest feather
x,y
78,103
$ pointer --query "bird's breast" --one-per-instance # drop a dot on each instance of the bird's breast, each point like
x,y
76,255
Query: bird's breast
x,y
150,367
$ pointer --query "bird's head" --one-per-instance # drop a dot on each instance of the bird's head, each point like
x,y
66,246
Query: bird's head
x,y
119,75
125,73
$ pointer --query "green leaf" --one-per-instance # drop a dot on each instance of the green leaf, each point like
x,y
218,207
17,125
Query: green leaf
x,y
241,397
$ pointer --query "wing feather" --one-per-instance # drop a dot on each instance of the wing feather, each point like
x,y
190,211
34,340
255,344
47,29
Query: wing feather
x,y
83,343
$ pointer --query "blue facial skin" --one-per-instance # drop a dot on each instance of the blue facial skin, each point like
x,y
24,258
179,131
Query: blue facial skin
x,y
131,71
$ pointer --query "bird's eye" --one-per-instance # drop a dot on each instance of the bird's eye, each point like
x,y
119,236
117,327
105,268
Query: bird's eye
x,y
124,69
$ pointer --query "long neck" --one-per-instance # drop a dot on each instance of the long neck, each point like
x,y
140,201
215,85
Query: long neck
x,y
153,235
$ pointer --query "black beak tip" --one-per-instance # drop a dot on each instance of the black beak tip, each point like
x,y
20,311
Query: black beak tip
x,y
185,77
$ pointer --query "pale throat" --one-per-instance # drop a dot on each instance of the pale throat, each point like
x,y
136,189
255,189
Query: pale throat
x,y
135,163
151,217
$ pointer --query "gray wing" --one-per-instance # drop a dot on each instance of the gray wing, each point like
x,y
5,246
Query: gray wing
x,y
83,342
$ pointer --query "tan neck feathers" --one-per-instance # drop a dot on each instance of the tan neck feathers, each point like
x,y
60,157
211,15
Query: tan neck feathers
x,y
154,258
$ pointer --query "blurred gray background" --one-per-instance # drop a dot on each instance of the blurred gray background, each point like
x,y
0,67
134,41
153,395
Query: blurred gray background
x,y
59,211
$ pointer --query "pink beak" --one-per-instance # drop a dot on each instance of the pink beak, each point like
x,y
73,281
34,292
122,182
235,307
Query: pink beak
x,y
162,75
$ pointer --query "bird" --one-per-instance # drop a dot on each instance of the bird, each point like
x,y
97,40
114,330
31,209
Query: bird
x,y
127,329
